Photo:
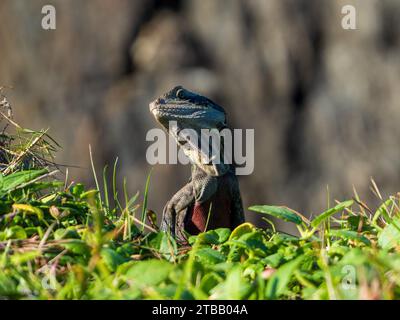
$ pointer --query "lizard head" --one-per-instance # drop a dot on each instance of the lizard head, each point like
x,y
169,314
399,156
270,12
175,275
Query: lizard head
x,y
181,109
188,109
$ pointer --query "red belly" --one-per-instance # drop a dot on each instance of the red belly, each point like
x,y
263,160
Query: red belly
x,y
220,214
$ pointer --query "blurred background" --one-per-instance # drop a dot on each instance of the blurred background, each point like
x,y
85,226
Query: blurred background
x,y
323,101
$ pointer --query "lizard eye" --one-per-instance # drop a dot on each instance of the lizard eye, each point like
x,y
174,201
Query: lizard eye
x,y
180,94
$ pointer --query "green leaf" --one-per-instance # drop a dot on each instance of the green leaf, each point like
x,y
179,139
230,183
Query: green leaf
x,y
21,258
78,189
209,281
40,186
8,286
325,215
241,230
15,232
223,234
112,258
273,260
69,233
12,181
29,209
235,287
252,241
278,282
89,194
209,256
149,272
349,234
146,194
390,236
77,246
278,212
49,198
217,236
164,244
382,211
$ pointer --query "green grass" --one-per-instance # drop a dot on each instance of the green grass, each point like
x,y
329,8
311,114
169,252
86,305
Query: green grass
x,y
61,241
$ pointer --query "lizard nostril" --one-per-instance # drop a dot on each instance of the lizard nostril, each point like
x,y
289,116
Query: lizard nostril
x,y
160,101
156,103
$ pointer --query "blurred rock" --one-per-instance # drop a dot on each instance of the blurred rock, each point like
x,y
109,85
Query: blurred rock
x,y
323,101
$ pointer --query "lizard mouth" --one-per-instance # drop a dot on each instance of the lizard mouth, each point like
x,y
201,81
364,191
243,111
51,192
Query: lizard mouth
x,y
153,105
156,104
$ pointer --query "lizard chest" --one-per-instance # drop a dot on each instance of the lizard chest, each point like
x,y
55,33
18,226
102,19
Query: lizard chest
x,y
217,210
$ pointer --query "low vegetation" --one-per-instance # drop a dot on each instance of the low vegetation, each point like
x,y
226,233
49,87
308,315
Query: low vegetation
x,y
64,241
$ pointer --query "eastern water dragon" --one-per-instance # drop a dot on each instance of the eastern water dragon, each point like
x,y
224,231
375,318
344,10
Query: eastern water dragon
x,y
211,199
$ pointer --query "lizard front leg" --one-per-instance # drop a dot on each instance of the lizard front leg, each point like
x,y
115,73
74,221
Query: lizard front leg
x,y
176,210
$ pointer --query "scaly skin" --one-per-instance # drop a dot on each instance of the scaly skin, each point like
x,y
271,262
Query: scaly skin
x,y
213,189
